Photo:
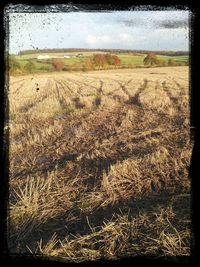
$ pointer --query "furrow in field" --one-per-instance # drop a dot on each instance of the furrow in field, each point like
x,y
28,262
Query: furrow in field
x,y
16,82
16,91
173,99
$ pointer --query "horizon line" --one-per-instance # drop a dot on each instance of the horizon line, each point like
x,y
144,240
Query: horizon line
x,y
93,49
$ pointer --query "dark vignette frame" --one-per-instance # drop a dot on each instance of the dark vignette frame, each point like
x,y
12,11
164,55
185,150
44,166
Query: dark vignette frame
x,y
37,6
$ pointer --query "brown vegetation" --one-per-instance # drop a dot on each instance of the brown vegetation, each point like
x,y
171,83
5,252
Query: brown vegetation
x,y
101,60
58,64
151,59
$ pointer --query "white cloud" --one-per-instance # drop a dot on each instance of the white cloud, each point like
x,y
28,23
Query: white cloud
x,y
98,30
116,40
130,39
124,37
93,40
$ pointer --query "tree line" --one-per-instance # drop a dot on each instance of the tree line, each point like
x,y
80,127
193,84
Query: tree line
x,y
89,63
67,50
97,61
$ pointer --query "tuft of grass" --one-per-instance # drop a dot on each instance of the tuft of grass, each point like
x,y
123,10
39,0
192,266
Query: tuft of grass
x,y
124,235
30,208
61,113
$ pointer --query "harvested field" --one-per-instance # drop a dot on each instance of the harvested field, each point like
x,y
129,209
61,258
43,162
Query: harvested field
x,y
99,164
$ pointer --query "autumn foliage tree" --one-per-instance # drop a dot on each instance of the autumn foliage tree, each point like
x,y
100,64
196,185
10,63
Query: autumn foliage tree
x,y
101,60
151,59
116,60
58,64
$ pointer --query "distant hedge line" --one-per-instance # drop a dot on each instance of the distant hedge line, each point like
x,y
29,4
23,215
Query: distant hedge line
x,y
66,50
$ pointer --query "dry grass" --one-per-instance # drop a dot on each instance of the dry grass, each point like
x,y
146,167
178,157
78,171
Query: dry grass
x,y
149,234
99,164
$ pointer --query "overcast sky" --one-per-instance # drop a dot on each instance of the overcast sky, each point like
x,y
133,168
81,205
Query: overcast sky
x,y
148,30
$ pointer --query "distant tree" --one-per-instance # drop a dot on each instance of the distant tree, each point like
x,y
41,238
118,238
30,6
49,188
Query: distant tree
x,y
88,62
58,64
30,67
109,59
99,60
116,60
151,59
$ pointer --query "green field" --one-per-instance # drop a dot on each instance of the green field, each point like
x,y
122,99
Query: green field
x,y
127,60
138,60
132,60
176,58
38,65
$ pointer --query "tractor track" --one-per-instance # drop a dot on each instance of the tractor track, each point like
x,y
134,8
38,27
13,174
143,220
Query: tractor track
x,y
173,99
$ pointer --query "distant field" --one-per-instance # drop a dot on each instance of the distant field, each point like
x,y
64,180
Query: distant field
x,y
133,60
176,58
99,164
57,54
126,59
38,65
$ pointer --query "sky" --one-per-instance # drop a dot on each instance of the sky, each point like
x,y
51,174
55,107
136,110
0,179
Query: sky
x,y
142,30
